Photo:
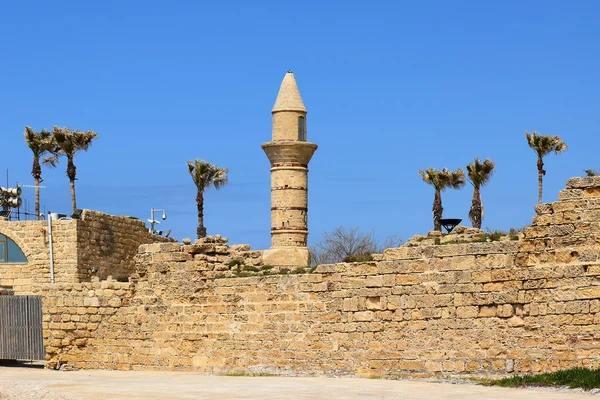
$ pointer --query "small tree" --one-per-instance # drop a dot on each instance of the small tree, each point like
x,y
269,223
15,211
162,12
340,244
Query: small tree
x,y
441,180
205,175
478,173
349,245
592,172
543,145
68,143
40,143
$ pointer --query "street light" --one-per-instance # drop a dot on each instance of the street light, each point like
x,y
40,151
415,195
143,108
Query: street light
x,y
153,221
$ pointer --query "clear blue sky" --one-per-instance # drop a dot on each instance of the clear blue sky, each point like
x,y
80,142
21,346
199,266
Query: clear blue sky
x,y
391,87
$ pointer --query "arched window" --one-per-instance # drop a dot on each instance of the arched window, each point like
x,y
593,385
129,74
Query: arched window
x,y
302,128
10,252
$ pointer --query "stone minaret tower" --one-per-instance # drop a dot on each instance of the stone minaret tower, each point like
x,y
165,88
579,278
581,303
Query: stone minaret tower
x,y
289,154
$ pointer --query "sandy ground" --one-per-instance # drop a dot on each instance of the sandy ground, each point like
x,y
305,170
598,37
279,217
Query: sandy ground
x,y
22,383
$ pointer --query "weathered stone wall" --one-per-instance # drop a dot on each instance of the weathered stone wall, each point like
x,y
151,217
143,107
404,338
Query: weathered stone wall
x,y
101,241
485,308
106,245
32,238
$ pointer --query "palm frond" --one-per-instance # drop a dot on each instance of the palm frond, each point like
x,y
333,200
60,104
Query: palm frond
x,y
50,161
205,174
443,179
545,144
69,141
38,142
456,178
479,173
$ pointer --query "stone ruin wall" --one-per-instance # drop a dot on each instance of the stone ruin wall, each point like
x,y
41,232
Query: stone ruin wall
x,y
32,238
105,242
108,243
519,306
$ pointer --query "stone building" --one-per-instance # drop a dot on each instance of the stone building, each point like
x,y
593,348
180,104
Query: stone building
x,y
289,154
96,245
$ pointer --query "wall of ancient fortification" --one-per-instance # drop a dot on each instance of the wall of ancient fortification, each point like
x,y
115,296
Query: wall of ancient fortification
x,y
97,241
108,243
32,238
520,306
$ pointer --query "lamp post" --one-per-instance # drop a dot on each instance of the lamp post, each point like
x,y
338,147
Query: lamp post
x,y
153,221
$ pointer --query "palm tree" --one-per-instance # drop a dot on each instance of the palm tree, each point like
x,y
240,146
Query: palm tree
x,y
204,175
543,145
441,180
478,173
39,143
68,143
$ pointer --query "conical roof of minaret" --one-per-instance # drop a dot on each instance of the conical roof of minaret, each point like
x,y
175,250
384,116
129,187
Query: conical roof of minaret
x,y
289,98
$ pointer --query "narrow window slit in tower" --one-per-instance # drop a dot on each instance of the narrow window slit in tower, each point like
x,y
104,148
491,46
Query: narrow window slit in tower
x,y
302,129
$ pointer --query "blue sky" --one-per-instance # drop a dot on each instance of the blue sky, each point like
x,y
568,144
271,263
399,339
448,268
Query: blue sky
x,y
391,87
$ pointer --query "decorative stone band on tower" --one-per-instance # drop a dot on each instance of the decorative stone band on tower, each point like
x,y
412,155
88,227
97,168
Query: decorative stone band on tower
x,y
289,154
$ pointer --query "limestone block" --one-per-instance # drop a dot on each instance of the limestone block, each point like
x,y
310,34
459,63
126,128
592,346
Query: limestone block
x,y
474,231
459,229
583,182
450,250
570,194
374,281
240,247
487,311
588,293
467,312
543,208
591,192
363,316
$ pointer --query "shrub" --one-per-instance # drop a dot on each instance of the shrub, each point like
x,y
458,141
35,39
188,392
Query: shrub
x,y
349,245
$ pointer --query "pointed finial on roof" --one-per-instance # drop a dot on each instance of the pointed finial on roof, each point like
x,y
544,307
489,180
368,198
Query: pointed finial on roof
x,y
289,98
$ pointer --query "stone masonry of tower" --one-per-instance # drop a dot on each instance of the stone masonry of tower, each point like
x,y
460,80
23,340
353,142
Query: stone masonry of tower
x,y
289,154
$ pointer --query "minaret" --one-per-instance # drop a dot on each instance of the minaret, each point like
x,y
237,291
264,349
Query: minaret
x,y
289,154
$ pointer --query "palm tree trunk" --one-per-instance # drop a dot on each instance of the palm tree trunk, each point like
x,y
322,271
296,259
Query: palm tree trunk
x,y
37,198
72,173
541,173
36,171
437,210
201,230
476,211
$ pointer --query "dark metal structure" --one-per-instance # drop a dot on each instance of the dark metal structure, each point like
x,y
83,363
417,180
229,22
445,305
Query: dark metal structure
x,y
450,223
21,328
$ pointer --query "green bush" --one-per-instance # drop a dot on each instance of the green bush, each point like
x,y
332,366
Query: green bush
x,y
298,270
574,378
358,258
233,263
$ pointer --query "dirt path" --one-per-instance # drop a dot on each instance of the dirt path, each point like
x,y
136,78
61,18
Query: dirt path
x,y
19,383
